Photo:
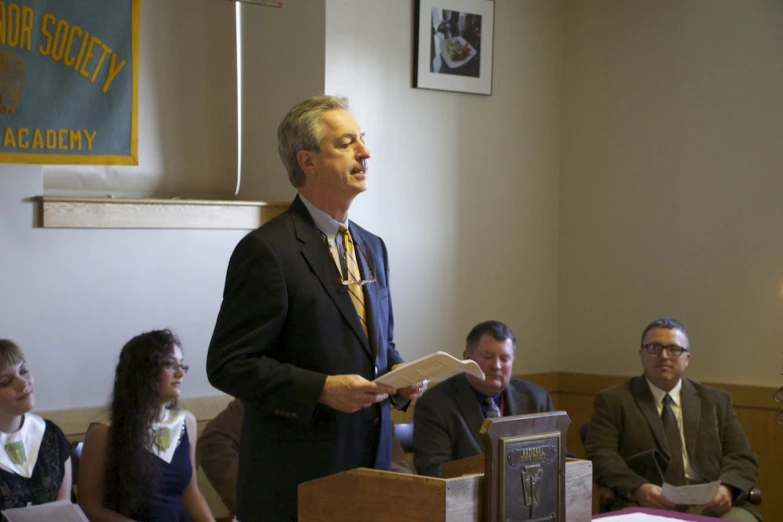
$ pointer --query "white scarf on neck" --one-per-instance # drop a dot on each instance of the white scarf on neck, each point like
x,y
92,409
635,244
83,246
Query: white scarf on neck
x,y
19,450
166,434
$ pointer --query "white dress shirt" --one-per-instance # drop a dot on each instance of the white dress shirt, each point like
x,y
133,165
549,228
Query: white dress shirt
x,y
658,395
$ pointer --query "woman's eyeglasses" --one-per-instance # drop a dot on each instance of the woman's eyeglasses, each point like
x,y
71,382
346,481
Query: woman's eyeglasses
x,y
172,366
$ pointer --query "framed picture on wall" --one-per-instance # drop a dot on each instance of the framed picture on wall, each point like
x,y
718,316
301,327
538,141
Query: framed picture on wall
x,y
454,45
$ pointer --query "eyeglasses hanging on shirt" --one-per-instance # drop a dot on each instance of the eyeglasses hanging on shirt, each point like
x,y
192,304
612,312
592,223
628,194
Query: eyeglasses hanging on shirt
x,y
337,253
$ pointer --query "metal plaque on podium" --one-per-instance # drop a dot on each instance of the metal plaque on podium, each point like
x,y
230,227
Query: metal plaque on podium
x,y
525,467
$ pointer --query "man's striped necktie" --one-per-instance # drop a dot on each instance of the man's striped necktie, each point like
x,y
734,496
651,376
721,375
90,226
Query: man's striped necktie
x,y
353,274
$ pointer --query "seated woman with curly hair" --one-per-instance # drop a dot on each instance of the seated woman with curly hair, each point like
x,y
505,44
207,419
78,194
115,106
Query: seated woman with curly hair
x,y
139,463
35,460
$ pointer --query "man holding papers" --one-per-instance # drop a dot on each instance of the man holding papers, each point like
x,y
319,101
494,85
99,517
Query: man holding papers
x,y
306,324
662,427
447,419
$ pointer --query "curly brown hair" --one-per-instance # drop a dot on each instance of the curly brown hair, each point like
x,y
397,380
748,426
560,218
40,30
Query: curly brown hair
x,y
130,468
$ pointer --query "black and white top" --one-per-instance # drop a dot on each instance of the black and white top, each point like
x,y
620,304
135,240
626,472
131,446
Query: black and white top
x,y
32,463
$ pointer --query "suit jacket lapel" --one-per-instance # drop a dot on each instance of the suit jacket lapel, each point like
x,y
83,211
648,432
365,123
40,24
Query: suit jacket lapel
x,y
646,403
316,253
691,413
517,405
469,407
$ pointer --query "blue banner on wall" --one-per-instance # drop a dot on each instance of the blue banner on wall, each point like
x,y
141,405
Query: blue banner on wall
x,y
68,81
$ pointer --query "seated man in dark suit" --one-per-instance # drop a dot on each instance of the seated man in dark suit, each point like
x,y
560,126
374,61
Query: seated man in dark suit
x,y
218,453
662,427
448,417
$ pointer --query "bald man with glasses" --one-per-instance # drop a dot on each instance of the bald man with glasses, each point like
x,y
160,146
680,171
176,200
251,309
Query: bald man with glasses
x,y
662,427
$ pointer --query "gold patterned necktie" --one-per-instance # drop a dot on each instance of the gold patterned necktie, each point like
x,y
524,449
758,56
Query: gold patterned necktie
x,y
353,274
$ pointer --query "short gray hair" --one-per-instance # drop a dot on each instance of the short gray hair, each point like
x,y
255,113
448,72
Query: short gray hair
x,y
301,129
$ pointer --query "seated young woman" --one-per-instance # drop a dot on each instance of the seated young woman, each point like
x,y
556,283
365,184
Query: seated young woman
x,y
35,459
138,463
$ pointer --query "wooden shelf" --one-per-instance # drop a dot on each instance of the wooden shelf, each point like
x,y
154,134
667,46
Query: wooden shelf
x,y
60,212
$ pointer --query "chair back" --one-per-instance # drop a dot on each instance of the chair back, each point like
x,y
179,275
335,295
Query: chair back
x,y
76,453
583,432
404,434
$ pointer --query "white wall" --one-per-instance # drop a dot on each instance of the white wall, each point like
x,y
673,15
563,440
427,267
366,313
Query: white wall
x,y
626,166
463,188
187,109
464,191
671,184
282,63
71,298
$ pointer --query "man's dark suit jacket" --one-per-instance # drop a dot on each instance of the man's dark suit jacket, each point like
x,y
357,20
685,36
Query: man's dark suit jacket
x,y
284,325
628,447
447,420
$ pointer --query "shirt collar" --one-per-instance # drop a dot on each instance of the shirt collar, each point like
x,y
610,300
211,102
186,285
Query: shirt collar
x,y
323,221
482,398
658,394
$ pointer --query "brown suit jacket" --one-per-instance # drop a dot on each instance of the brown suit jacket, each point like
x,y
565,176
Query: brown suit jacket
x,y
628,447
218,452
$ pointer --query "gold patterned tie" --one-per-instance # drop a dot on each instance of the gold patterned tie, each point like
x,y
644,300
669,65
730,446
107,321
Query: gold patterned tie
x,y
353,274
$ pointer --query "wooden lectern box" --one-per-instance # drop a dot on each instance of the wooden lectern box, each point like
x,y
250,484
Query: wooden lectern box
x,y
383,496
364,494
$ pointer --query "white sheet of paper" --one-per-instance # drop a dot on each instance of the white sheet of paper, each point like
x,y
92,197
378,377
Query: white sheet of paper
x,y
60,511
428,367
694,495
636,517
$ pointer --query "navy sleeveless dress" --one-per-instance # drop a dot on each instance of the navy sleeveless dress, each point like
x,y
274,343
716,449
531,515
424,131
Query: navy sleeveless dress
x,y
165,505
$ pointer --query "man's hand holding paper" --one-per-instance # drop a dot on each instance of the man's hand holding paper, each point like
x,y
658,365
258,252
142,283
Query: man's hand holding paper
x,y
414,391
350,393
699,494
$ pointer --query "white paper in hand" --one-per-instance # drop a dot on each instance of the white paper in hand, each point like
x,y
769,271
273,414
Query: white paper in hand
x,y
428,367
693,495
60,511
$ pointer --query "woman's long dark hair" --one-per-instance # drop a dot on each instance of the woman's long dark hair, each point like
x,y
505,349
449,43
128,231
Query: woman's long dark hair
x,y
130,471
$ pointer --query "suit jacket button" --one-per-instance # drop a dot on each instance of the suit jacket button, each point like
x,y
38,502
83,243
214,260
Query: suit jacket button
x,y
376,421
375,372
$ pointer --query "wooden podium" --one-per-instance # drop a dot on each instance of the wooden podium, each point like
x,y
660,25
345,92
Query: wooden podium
x,y
364,494
383,496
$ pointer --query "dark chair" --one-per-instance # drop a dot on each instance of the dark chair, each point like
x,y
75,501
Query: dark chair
x,y
606,495
404,434
76,453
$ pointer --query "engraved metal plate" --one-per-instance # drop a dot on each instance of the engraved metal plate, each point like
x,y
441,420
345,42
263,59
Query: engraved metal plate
x,y
530,478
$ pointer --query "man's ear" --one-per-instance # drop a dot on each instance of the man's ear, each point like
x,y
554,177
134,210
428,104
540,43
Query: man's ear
x,y
305,160
466,355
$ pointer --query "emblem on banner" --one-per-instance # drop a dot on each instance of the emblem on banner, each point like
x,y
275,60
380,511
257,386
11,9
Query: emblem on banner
x,y
11,72
532,477
16,452
162,438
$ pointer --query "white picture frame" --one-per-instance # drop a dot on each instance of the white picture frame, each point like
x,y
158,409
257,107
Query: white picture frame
x,y
454,44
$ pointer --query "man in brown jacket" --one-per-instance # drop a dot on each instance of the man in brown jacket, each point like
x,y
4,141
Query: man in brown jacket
x,y
661,427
